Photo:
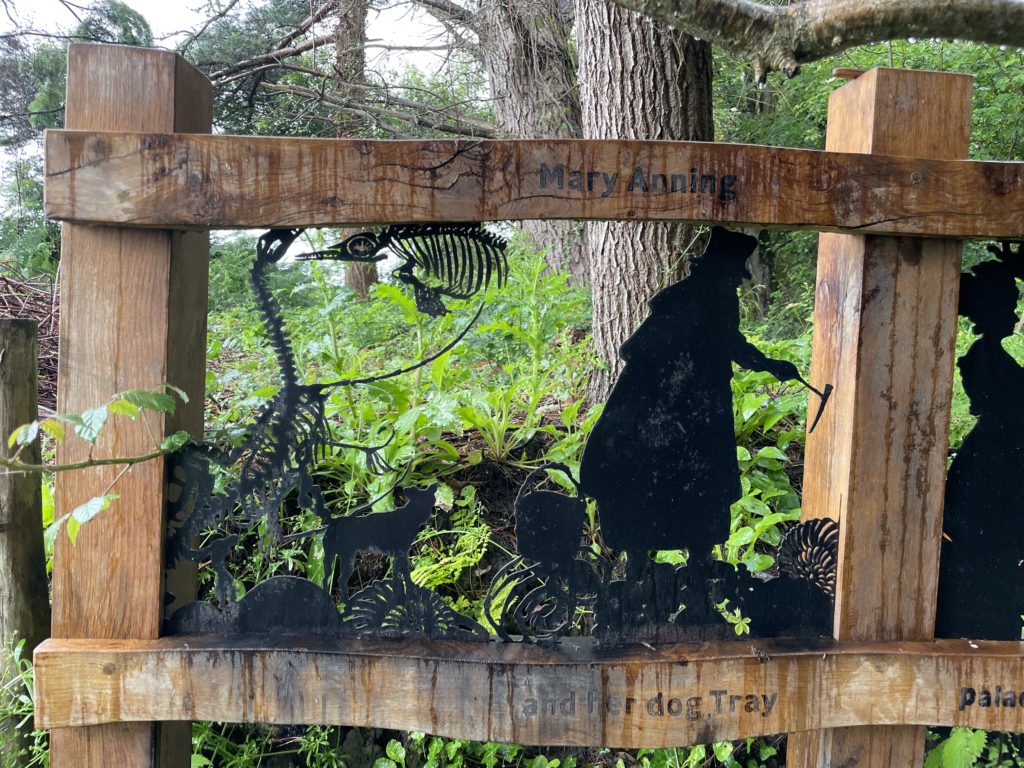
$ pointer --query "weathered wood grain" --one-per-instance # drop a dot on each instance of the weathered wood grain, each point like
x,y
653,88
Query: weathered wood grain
x,y
506,692
181,181
128,319
885,334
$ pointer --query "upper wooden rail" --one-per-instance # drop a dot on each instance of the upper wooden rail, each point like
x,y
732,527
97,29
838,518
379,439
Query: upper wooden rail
x,y
182,181
576,693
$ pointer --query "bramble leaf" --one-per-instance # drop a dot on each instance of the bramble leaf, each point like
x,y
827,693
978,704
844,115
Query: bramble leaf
x,y
160,402
171,443
53,428
122,407
89,424
24,434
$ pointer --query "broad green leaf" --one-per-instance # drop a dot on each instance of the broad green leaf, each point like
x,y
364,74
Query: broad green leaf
x,y
53,428
160,402
72,526
671,556
123,408
171,443
384,762
722,750
445,497
396,751
408,420
90,423
449,450
741,537
963,748
77,517
24,434
83,513
934,757
758,562
771,452
176,390
50,534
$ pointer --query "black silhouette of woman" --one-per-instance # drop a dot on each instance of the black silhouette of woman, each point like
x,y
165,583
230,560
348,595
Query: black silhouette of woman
x,y
661,460
981,578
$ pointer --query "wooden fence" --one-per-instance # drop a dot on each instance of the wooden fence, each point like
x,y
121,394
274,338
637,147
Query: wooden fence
x,y
141,184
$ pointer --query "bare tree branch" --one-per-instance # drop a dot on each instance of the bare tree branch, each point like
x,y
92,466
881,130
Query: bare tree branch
x,y
274,57
314,18
193,37
445,10
418,115
780,38
459,23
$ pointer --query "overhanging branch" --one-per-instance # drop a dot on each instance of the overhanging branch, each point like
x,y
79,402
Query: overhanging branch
x,y
416,115
274,57
781,38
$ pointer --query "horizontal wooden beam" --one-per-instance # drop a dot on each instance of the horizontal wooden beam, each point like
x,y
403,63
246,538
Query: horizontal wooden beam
x,y
575,694
204,182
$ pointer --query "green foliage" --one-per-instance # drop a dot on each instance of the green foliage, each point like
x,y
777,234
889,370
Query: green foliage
x,y
962,749
88,426
16,91
769,420
42,70
17,708
242,106
111,21
47,68
508,397
29,243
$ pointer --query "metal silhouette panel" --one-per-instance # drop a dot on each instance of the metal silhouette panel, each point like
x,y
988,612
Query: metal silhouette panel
x,y
983,545
660,466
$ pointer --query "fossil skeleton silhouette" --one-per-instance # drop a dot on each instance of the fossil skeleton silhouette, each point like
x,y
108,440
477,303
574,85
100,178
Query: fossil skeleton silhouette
x,y
463,257
291,432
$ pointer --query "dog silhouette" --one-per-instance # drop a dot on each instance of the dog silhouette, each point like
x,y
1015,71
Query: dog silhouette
x,y
387,533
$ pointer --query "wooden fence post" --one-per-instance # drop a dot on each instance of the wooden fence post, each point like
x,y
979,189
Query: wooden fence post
x,y
884,333
24,594
133,315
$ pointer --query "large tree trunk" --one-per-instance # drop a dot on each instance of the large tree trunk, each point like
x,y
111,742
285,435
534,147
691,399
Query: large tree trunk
x,y
638,80
530,62
349,75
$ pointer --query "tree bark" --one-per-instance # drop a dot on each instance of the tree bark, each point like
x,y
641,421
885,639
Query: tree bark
x,y
532,68
349,86
638,80
24,597
780,38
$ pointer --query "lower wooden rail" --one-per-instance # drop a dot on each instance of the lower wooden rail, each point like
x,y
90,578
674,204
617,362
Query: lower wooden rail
x,y
576,693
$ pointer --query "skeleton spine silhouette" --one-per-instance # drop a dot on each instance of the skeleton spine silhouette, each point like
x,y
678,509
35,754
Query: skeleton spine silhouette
x,y
983,544
291,432
661,460
288,435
